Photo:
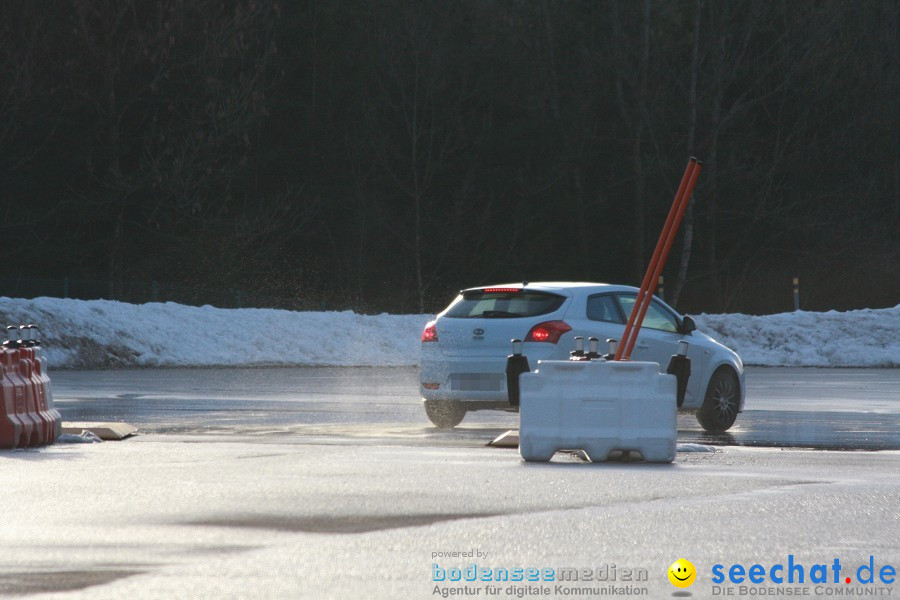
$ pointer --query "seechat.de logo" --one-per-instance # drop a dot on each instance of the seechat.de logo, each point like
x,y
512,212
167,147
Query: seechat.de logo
x,y
682,573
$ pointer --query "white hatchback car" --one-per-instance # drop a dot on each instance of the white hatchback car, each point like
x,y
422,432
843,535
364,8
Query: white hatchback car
x,y
464,350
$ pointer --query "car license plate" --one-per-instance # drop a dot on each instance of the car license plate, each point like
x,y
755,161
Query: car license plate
x,y
476,382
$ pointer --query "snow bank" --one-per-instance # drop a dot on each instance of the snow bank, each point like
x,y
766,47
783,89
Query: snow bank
x,y
102,333
857,338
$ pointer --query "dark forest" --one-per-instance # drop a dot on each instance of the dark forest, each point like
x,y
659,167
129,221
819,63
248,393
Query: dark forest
x,y
379,156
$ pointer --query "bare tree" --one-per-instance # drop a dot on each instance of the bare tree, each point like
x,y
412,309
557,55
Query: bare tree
x,y
688,225
175,91
742,51
27,121
633,110
415,115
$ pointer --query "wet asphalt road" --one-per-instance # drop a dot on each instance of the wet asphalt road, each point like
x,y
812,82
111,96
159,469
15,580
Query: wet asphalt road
x,y
331,484
847,409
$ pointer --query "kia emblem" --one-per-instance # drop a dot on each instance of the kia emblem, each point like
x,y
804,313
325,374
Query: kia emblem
x,y
478,331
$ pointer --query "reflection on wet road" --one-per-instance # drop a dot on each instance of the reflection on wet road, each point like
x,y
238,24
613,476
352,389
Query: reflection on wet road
x,y
811,408
803,429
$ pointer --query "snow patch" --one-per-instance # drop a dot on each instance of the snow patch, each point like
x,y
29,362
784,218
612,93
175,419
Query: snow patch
x,y
85,437
694,448
856,338
106,334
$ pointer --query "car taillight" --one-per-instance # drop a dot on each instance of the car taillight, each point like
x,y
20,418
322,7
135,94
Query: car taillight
x,y
548,331
430,332
502,290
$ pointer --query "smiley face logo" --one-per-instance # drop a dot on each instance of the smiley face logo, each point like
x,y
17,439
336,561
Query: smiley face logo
x,y
682,573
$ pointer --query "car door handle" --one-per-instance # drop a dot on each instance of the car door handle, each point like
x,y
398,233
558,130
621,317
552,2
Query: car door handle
x,y
643,346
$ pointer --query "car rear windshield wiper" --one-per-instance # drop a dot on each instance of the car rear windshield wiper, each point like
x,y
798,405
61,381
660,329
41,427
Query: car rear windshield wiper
x,y
499,313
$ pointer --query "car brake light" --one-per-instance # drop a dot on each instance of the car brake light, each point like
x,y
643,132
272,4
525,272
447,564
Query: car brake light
x,y
501,290
431,386
430,332
548,331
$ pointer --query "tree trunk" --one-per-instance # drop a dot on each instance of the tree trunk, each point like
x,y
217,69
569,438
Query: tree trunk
x,y
711,204
417,189
113,182
688,239
114,273
639,230
551,63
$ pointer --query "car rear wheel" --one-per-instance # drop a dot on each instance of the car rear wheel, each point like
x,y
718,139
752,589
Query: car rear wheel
x,y
445,414
722,401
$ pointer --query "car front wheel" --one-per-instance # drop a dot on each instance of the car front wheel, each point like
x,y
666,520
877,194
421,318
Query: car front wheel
x,y
722,401
445,414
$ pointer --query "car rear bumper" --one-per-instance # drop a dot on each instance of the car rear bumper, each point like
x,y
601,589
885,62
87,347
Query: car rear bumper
x,y
471,405
476,381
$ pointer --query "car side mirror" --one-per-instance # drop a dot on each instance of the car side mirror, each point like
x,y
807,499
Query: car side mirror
x,y
687,325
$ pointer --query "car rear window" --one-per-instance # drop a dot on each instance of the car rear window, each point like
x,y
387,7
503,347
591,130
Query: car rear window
x,y
504,305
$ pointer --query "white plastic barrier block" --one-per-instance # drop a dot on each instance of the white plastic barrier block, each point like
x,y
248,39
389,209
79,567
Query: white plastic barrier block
x,y
598,407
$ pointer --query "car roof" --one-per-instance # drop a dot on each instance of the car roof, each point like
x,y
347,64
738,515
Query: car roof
x,y
559,286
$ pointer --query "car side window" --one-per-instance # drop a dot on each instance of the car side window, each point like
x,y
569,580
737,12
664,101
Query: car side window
x,y
603,308
657,317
